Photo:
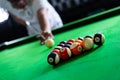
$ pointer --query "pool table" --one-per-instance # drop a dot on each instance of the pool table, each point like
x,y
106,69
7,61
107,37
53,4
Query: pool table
x,y
26,59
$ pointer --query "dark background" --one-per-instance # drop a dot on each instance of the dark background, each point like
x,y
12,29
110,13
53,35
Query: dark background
x,y
69,10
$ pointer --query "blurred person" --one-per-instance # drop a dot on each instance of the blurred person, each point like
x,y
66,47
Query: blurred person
x,y
38,16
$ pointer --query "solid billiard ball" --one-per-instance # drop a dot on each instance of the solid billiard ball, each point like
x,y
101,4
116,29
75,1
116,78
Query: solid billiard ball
x,y
53,58
88,43
65,53
76,48
78,41
99,39
49,42
70,41
56,51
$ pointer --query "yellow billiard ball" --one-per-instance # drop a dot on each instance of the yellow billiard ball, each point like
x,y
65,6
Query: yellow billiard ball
x,y
88,43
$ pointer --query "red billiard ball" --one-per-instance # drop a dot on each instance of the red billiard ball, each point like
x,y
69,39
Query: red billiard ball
x,y
56,51
88,43
53,58
76,48
99,39
70,41
65,53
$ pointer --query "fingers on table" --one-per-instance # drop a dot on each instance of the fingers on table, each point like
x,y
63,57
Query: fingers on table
x,y
44,36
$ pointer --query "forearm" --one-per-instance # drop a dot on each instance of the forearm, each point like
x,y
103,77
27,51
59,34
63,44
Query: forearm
x,y
44,25
19,20
43,20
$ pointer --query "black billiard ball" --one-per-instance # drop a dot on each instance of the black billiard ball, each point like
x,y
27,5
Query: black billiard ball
x,y
99,39
53,58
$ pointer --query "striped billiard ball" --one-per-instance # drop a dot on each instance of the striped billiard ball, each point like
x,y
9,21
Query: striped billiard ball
x,y
65,53
53,58
88,43
76,48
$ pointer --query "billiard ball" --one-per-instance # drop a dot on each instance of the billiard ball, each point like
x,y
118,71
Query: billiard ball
x,y
80,38
58,47
65,53
70,41
99,39
62,42
76,48
67,45
49,42
88,43
56,51
78,41
53,58
88,36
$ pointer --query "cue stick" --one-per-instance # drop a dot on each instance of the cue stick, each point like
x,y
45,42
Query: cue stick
x,y
30,27
33,29
7,43
20,41
15,42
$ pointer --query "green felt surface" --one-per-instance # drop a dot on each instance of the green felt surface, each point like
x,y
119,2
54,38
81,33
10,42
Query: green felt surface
x,y
29,61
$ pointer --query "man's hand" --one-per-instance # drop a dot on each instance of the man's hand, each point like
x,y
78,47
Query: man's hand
x,y
43,36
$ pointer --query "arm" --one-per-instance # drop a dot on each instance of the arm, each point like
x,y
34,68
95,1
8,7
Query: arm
x,y
7,6
45,25
17,19
43,20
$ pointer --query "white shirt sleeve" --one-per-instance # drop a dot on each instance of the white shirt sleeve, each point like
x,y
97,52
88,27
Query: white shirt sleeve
x,y
4,4
30,13
7,6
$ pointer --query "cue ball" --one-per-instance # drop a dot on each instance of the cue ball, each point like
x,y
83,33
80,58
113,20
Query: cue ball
x,y
53,58
49,42
99,39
